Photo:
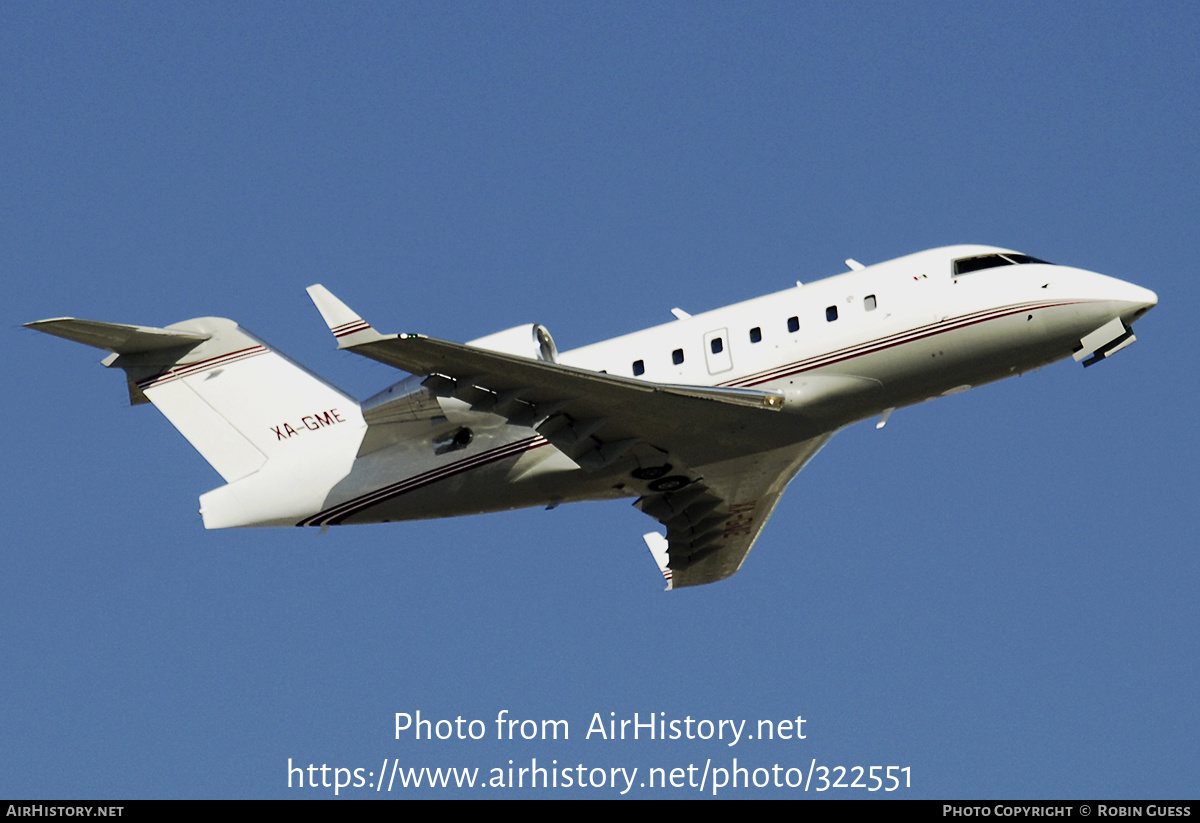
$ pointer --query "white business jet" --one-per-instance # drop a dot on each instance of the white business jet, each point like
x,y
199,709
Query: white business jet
x,y
704,420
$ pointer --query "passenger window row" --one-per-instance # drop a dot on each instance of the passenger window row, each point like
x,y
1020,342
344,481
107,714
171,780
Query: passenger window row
x,y
717,345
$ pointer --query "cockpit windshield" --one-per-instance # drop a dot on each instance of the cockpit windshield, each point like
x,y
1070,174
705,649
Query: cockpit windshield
x,y
966,265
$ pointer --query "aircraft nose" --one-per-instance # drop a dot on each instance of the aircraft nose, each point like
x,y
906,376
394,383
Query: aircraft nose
x,y
1149,298
1138,299
1130,299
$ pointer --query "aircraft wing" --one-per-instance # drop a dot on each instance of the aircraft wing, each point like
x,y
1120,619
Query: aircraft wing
x,y
709,463
713,523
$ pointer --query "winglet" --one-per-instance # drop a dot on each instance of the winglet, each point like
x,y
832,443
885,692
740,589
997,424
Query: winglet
x,y
657,544
347,327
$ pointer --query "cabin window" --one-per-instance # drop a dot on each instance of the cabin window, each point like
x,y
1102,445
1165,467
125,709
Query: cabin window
x,y
869,302
793,324
756,335
831,314
717,346
639,368
677,356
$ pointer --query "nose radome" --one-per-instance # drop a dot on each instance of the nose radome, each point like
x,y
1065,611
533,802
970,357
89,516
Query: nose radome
x,y
1149,298
1140,301
1135,299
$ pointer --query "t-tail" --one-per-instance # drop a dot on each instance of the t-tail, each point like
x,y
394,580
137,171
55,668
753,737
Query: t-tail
x,y
253,413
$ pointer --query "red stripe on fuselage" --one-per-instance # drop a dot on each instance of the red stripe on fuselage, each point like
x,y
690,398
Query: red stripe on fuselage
x,y
336,514
882,343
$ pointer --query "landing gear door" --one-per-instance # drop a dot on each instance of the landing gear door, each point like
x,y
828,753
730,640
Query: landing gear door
x,y
716,351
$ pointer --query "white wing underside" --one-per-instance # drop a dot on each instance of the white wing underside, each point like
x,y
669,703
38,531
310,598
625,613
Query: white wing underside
x,y
711,463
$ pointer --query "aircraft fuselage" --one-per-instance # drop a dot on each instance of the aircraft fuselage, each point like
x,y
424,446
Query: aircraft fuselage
x,y
843,349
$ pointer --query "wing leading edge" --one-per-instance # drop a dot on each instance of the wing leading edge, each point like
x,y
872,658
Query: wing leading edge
x,y
710,463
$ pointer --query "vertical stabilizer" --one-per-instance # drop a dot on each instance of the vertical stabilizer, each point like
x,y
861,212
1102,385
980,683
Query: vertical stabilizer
x,y
237,400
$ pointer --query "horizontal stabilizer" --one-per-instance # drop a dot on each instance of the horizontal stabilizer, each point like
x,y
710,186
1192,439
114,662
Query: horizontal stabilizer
x,y
117,337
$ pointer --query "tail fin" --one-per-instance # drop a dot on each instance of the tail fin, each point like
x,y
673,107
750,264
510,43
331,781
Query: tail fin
x,y
237,400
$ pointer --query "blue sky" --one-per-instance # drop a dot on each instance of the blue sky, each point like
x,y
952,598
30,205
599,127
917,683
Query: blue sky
x,y
998,590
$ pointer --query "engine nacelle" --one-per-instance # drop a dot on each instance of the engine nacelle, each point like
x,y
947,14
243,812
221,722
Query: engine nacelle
x,y
532,341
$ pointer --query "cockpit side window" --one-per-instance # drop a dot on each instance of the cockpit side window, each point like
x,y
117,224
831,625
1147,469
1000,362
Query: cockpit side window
x,y
966,265
1021,259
